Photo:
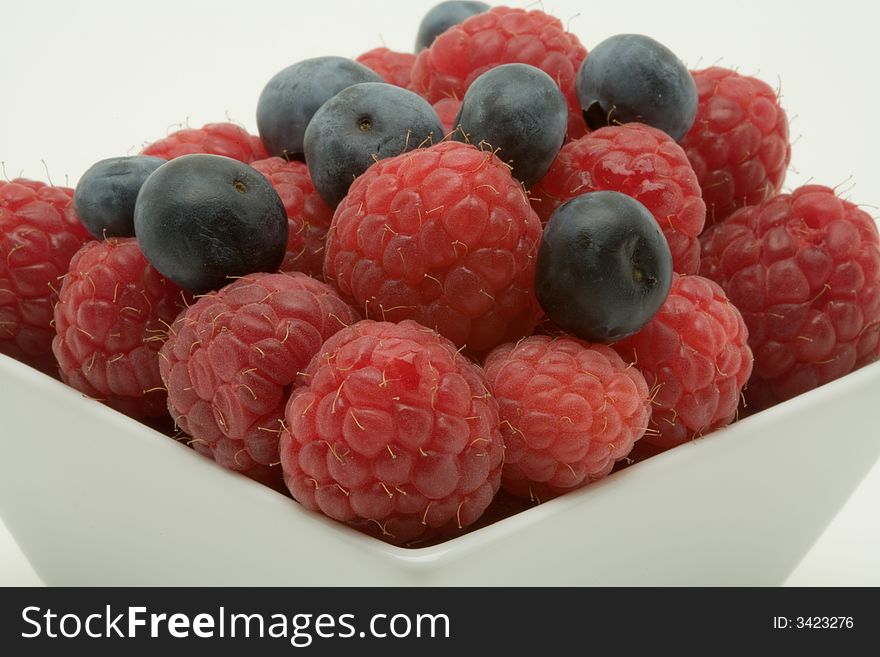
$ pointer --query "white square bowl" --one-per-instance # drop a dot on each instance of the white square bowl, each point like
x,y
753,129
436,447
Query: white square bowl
x,y
94,498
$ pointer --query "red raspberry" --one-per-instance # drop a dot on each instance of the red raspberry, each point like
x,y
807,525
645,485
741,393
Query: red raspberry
x,y
447,110
442,235
694,356
225,139
232,357
39,233
642,162
393,67
738,144
501,36
396,434
804,270
111,319
569,410
258,148
308,217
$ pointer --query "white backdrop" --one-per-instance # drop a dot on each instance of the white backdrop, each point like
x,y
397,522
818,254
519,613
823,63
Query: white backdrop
x,y
92,79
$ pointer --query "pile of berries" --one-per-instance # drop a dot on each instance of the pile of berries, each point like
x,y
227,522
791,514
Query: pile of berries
x,y
500,263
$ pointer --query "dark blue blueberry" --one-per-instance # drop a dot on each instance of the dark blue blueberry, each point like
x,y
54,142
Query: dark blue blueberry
x,y
604,267
632,78
203,219
293,95
105,195
519,111
360,125
443,16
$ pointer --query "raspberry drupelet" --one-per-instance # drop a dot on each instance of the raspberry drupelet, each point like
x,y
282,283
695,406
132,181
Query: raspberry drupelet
x,y
447,110
394,67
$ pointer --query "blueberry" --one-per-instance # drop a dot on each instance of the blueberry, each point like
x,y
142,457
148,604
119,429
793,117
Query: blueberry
x,y
519,110
632,78
203,219
604,267
360,125
294,94
443,16
105,195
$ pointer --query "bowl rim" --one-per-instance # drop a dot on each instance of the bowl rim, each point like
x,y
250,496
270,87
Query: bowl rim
x,y
439,555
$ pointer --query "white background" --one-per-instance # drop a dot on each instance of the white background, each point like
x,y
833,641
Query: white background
x,y
88,80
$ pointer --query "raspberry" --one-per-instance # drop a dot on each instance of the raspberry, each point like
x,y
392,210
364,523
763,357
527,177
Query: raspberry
x,y
258,148
501,36
393,67
395,434
308,217
738,144
447,109
111,318
39,233
569,410
804,270
225,139
694,356
442,235
232,357
644,163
